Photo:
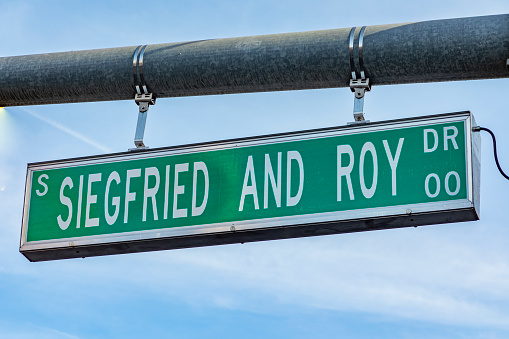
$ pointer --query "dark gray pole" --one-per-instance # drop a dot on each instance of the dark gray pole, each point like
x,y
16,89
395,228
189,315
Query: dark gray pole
x,y
442,50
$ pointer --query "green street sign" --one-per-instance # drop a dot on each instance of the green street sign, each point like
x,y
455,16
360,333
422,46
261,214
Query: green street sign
x,y
352,178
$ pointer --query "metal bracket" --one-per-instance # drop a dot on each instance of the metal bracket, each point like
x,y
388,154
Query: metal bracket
x,y
143,100
358,85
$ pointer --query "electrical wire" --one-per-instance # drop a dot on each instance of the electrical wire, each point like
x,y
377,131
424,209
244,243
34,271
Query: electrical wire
x,y
479,128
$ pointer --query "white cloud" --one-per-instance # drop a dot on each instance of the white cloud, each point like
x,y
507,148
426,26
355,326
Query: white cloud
x,y
353,273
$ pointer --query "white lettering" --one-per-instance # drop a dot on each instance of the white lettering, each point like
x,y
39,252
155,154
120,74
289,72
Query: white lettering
x,y
80,198
130,196
166,192
450,137
200,166
179,189
427,149
426,185
458,183
43,184
368,192
345,171
251,189
150,192
91,199
393,161
111,219
294,155
65,201
269,176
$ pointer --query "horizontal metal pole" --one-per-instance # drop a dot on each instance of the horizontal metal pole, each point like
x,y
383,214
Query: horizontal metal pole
x,y
442,50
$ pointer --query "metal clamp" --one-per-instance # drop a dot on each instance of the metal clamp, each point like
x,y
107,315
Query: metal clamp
x,y
359,85
142,99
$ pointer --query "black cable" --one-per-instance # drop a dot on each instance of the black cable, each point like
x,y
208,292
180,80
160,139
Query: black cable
x,y
477,129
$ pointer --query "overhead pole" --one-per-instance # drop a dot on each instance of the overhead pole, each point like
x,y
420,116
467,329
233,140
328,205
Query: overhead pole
x,y
430,51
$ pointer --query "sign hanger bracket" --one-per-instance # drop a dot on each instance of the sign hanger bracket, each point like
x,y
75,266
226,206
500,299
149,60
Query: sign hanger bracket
x,y
358,84
143,97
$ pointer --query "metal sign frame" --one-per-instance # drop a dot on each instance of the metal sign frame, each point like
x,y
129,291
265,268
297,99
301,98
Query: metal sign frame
x,y
263,229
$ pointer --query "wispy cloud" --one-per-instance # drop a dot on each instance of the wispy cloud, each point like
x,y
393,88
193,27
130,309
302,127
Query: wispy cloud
x,y
352,276
30,330
68,130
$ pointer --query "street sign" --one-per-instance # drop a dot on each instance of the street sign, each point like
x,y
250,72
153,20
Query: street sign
x,y
360,177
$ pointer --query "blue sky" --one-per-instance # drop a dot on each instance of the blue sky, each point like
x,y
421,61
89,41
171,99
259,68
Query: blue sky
x,y
446,281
